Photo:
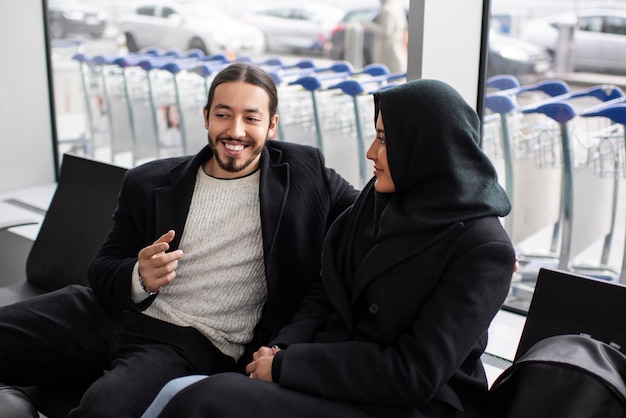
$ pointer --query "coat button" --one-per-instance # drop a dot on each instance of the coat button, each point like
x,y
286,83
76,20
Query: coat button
x,y
374,309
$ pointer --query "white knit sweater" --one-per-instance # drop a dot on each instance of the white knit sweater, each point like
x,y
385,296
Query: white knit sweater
x,y
220,286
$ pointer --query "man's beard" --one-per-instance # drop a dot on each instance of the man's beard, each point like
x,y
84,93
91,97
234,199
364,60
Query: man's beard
x,y
230,164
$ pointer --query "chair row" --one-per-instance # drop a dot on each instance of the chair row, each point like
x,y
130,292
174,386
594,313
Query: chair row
x,y
130,100
561,156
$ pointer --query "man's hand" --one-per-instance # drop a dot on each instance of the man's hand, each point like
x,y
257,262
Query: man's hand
x,y
157,267
516,268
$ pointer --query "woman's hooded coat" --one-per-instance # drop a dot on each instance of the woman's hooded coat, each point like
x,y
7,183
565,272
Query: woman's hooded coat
x,y
412,279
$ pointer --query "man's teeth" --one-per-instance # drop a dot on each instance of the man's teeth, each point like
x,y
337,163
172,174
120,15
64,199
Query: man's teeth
x,y
233,147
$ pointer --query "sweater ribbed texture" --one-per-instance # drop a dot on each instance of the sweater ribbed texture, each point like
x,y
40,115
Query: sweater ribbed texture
x,y
220,286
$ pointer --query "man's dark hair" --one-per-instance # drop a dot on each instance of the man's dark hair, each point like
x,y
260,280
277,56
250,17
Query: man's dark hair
x,y
249,74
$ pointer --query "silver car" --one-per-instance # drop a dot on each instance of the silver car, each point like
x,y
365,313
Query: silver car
x,y
599,38
190,25
304,27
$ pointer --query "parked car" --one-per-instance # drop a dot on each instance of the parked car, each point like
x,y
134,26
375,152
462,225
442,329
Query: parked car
x,y
304,27
506,55
524,60
75,17
189,25
337,38
599,38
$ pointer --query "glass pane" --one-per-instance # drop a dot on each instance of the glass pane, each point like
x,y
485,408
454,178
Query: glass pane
x,y
117,101
130,114
560,160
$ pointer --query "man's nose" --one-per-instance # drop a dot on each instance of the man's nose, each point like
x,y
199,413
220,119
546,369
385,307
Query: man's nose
x,y
236,128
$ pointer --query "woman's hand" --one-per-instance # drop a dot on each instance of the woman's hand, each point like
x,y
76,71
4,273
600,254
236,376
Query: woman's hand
x,y
261,366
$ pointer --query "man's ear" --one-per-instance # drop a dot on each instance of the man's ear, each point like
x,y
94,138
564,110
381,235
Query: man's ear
x,y
271,132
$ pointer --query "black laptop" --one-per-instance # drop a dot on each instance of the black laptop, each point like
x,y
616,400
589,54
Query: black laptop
x,y
569,303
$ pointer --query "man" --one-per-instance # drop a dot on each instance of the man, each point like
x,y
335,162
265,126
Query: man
x,y
209,256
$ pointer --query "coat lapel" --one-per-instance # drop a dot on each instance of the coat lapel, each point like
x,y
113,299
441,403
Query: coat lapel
x,y
273,191
173,201
392,251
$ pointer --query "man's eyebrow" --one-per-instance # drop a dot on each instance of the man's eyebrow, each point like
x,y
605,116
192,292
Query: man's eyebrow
x,y
227,107
222,106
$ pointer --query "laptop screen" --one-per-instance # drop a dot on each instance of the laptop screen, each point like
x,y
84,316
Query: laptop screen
x,y
568,303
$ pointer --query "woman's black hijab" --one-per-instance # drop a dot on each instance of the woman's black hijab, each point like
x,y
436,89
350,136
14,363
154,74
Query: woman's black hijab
x,y
440,173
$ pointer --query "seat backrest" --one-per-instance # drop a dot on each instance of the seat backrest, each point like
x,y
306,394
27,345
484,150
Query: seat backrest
x,y
76,223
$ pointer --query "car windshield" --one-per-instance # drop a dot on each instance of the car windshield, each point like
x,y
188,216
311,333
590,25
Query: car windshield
x,y
358,15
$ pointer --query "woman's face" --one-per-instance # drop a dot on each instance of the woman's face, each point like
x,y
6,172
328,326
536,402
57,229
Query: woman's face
x,y
377,152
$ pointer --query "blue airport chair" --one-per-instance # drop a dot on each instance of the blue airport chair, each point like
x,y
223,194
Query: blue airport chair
x,y
502,82
615,110
318,80
560,110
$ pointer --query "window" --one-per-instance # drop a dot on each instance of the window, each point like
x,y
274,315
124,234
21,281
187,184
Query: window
x,y
524,44
574,236
591,24
615,25
146,11
280,13
167,12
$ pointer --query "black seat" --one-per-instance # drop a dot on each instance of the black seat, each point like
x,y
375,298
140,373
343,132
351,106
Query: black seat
x,y
74,227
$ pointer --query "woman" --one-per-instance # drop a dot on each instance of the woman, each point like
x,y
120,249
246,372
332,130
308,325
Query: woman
x,y
412,276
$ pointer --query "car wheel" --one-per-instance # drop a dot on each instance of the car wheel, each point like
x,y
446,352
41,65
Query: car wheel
x,y
131,44
57,31
197,43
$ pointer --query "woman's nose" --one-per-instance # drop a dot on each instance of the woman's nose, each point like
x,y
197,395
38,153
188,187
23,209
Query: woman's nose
x,y
371,151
